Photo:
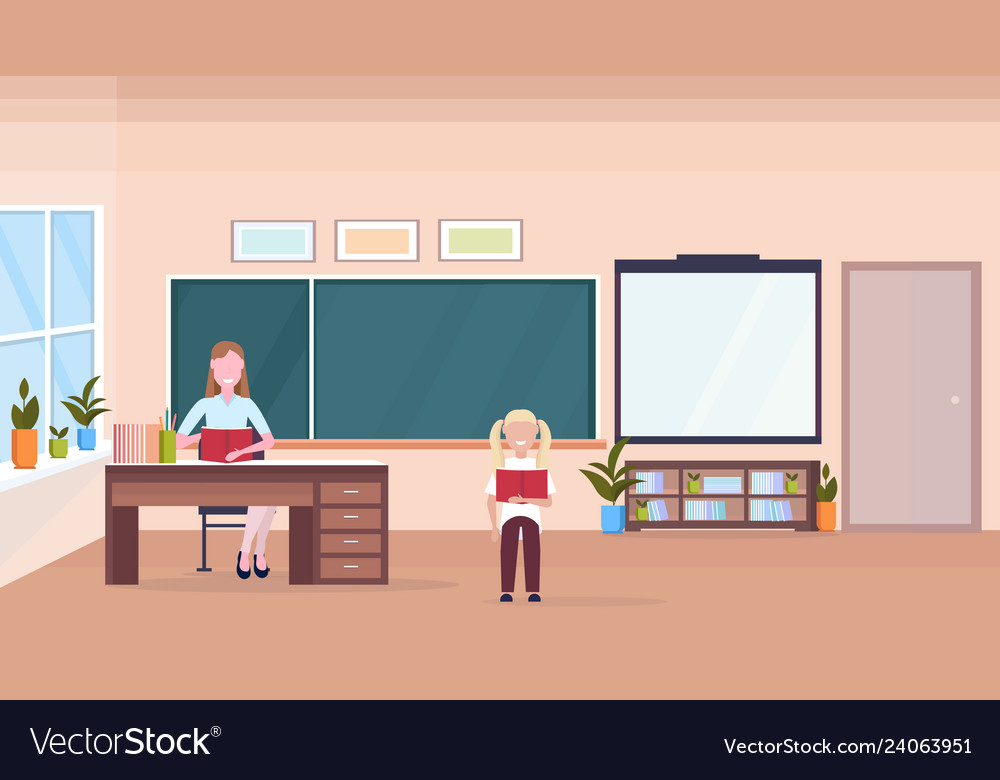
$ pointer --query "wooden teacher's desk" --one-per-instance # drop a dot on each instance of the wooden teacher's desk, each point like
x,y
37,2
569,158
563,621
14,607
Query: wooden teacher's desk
x,y
338,511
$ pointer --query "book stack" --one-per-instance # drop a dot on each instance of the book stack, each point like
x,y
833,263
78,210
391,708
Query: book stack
x,y
767,482
723,484
657,510
704,510
652,482
764,511
135,443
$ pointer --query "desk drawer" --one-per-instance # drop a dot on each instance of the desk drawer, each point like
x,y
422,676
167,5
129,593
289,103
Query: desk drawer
x,y
350,493
338,568
336,519
349,544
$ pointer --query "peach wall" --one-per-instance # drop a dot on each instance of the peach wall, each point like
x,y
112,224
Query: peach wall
x,y
588,192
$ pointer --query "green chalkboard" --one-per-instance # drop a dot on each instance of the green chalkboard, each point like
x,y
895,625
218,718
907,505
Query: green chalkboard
x,y
443,358
269,319
415,358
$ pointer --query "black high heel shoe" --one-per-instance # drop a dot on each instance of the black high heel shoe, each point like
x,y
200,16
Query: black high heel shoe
x,y
243,574
259,572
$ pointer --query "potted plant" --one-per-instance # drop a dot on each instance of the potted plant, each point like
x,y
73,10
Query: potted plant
x,y
24,437
791,483
693,484
641,510
83,412
610,485
58,444
826,509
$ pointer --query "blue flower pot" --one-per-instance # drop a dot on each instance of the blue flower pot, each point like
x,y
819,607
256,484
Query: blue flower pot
x,y
612,519
86,438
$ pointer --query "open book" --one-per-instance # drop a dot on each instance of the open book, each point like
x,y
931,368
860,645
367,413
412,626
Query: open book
x,y
527,483
216,442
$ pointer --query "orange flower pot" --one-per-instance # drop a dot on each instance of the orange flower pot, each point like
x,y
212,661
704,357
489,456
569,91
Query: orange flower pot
x,y
24,448
826,515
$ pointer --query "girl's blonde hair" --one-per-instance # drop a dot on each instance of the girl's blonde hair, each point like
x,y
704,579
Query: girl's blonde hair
x,y
220,350
520,415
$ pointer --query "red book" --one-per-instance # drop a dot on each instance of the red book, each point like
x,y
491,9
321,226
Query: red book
x,y
526,483
216,442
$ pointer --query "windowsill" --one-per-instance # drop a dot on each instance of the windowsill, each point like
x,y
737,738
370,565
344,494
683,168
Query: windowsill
x,y
47,465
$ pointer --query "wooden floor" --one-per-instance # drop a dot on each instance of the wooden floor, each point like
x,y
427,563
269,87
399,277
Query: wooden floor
x,y
667,615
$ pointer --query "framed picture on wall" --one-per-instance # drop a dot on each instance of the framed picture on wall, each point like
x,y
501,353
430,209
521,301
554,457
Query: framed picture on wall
x,y
374,239
480,239
274,241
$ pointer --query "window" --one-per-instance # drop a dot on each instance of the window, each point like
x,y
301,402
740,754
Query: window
x,y
50,309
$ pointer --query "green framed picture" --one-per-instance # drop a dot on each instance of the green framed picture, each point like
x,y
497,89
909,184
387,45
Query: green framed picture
x,y
481,239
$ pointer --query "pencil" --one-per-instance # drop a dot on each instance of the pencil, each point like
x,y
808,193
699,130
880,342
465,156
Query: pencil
x,y
161,425
173,425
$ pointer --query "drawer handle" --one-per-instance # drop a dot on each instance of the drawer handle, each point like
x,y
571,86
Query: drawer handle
x,y
351,541
352,491
350,517
355,566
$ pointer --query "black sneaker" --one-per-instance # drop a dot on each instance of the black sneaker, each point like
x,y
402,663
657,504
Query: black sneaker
x,y
506,597
534,597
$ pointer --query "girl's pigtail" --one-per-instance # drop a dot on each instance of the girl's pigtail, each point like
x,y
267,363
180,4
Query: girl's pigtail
x,y
542,460
495,449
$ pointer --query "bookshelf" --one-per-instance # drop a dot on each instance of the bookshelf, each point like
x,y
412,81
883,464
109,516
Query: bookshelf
x,y
730,494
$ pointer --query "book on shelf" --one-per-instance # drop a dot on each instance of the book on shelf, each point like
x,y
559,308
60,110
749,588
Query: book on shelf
x,y
658,511
769,510
135,443
652,482
526,483
704,510
723,484
767,482
217,442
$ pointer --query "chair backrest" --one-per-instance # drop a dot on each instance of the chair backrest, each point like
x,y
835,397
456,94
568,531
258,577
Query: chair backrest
x,y
256,437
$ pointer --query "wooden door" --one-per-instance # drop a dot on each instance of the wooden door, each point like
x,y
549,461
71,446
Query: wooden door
x,y
911,397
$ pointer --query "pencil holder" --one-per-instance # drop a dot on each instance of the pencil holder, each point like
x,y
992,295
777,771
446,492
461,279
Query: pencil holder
x,y
168,446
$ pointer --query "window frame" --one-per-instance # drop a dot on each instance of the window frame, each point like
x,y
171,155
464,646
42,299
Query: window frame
x,y
47,332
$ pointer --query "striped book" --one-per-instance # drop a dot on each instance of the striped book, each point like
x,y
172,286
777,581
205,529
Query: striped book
x,y
704,510
768,511
135,443
767,482
723,484
781,511
652,482
657,511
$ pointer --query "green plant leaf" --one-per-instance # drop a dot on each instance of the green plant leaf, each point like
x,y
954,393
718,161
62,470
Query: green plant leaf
x,y
694,477
31,412
78,400
826,470
63,432
623,470
831,489
820,493
77,412
95,402
91,414
602,486
794,477
23,389
87,388
642,503
603,469
615,452
619,487
16,416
